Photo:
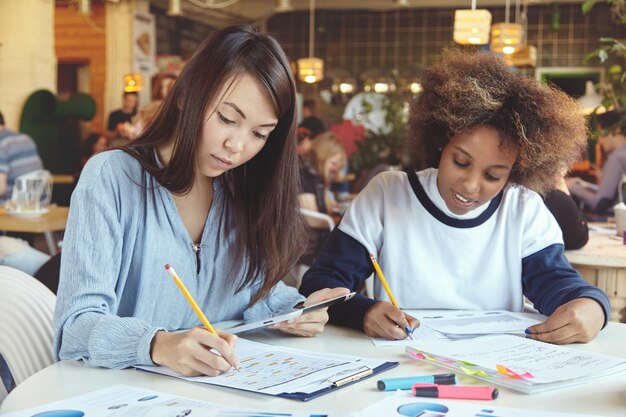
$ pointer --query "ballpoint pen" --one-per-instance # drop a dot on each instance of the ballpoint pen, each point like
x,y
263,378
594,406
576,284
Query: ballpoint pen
x,y
407,329
192,302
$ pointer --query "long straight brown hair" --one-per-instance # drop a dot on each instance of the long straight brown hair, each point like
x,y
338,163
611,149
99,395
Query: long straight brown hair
x,y
262,193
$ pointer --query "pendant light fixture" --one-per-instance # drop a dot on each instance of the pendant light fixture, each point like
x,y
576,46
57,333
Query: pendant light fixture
x,y
472,26
311,69
526,55
84,7
506,37
283,6
174,8
591,101
133,82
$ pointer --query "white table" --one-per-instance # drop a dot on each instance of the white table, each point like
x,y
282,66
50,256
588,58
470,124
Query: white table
x,y
53,221
602,262
68,378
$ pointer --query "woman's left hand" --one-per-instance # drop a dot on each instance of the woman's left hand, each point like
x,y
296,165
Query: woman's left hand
x,y
311,323
579,320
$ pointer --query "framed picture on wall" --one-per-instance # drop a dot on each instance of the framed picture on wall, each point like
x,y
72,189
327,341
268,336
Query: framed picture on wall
x,y
571,80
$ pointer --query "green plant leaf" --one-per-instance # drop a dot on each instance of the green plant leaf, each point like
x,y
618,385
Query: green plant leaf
x,y
603,55
588,5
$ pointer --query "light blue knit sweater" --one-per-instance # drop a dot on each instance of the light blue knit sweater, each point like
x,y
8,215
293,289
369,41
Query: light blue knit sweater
x,y
114,292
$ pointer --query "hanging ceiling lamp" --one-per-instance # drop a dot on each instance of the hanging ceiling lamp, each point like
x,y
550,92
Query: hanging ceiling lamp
x,y
378,81
526,55
133,82
410,83
311,69
472,26
591,101
84,7
174,8
506,37
283,6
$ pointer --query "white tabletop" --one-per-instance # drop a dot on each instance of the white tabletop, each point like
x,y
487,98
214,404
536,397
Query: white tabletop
x,y
68,378
604,249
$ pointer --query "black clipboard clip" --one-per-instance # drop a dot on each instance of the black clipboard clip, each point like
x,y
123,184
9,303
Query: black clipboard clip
x,y
345,377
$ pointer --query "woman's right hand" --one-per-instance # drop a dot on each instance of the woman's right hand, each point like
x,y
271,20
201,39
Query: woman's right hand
x,y
189,353
383,319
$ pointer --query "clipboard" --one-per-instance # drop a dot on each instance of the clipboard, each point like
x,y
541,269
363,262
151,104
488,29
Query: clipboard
x,y
341,382
326,372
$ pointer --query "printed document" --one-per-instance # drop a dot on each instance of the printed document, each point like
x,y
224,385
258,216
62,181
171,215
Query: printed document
x,y
275,370
128,401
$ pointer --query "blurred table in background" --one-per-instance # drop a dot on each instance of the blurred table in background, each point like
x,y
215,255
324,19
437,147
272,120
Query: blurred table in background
x,y
602,262
52,221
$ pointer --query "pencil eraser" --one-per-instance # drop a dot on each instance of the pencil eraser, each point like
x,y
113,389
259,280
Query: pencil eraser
x,y
167,266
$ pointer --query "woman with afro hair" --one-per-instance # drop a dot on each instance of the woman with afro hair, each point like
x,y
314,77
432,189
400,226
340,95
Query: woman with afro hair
x,y
467,228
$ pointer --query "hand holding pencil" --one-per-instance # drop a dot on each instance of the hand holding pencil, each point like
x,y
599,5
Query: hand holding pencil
x,y
386,319
191,352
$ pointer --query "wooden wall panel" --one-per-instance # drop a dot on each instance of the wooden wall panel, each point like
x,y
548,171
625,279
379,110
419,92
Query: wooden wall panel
x,y
81,39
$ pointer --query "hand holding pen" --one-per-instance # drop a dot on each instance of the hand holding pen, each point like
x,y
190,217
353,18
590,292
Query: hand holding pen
x,y
191,353
387,320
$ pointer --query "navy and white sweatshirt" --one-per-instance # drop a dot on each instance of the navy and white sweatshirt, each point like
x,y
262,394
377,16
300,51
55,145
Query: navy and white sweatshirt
x,y
487,259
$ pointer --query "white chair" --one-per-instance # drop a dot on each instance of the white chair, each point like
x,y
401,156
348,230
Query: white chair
x,y
26,312
315,218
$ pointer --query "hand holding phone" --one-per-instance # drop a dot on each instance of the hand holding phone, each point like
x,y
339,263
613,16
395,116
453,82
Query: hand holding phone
x,y
294,312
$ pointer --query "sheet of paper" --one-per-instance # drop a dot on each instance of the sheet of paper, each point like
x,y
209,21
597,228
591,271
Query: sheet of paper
x,y
434,326
422,335
274,370
602,228
475,323
403,404
128,401
546,363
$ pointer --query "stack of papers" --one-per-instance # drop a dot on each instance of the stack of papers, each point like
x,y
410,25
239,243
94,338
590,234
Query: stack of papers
x,y
518,363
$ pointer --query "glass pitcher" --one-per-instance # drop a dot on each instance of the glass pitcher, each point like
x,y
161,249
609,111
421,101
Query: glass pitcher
x,y
32,192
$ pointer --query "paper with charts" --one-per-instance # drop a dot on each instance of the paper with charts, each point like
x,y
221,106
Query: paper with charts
x,y
518,363
128,401
403,404
444,326
275,370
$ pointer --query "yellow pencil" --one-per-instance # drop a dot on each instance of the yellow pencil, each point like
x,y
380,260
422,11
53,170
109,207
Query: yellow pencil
x,y
383,280
407,330
191,301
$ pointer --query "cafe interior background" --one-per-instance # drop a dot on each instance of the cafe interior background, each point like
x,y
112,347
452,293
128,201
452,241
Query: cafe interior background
x,y
99,48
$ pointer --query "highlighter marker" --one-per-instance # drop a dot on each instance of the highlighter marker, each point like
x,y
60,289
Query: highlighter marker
x,y
392,384
461,392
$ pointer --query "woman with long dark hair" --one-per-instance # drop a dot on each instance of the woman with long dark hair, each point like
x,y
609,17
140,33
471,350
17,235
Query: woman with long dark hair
x,y
211,187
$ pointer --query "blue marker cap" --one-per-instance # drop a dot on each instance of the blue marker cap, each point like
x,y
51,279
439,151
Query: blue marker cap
x,y
392,384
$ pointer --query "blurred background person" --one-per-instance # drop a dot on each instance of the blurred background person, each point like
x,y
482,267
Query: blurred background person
x,y
305,142
120,120
320,169
18,156
310,119
599,199
567,214
161,87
